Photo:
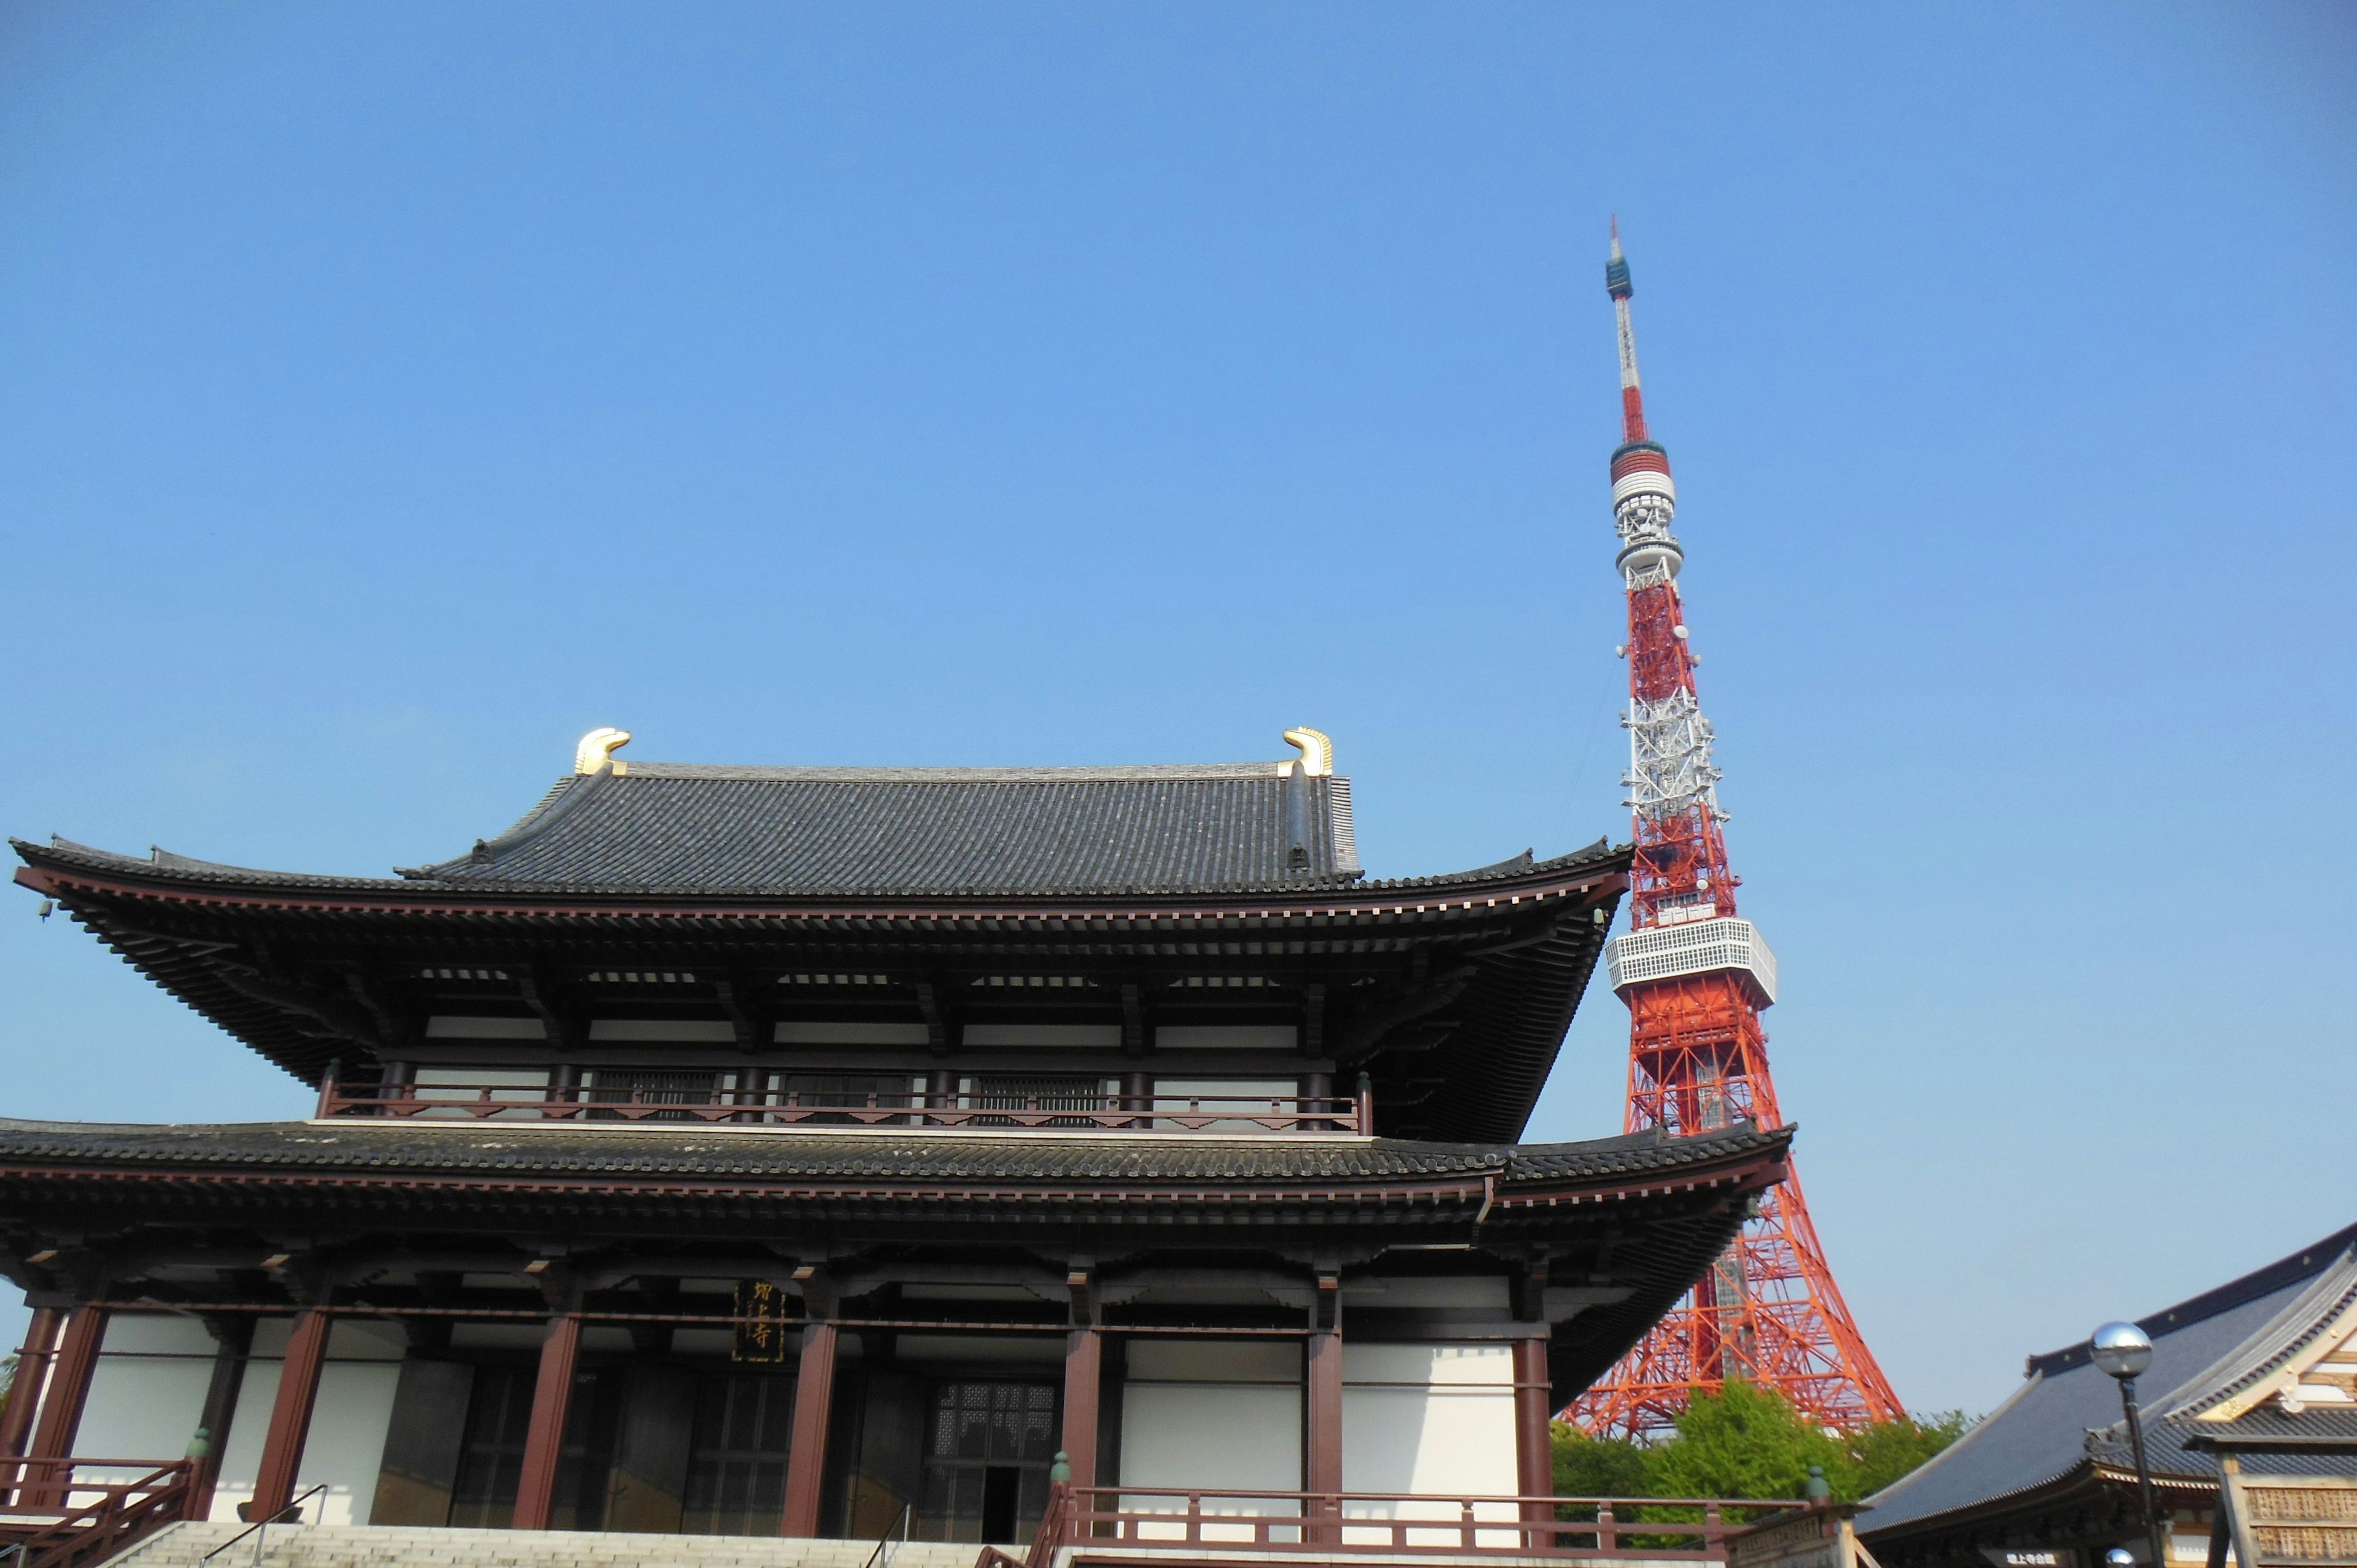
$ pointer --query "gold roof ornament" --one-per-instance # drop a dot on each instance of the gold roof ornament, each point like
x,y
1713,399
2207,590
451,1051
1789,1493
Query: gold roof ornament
x,y
597,749
1317,752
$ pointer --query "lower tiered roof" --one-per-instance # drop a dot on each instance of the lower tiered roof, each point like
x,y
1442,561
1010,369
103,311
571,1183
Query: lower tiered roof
x,y
178,1214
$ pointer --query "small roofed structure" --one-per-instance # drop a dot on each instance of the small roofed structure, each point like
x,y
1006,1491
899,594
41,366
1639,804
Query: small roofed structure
x,y
2254,1379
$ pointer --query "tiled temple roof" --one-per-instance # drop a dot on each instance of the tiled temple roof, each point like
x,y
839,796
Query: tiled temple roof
x,y
880,1155
2065,1420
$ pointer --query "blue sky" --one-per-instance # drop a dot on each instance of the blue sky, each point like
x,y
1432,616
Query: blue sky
x,y
390,395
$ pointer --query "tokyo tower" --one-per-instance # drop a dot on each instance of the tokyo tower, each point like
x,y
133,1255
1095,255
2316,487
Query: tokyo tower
x,y
1696,978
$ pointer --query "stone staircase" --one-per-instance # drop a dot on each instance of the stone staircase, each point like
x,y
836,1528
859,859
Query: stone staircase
x,y
402,1546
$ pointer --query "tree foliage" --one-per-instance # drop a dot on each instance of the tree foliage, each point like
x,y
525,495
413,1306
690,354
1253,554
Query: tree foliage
x,y
1748,1442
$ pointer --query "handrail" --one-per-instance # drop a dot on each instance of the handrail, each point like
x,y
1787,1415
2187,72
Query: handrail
x,y
1390,1523
880,1558
1240,1113
295,1507
65,1534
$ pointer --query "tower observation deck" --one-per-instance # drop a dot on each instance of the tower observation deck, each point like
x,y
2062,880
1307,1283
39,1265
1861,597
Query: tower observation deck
x,y
1695,976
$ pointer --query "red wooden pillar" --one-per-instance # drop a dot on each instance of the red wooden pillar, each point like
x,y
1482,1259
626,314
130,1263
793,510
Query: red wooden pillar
x,y
1534,1418
543,1441
290,1414
77,1358
32,1369
813,1403
1325,1394
1083,1377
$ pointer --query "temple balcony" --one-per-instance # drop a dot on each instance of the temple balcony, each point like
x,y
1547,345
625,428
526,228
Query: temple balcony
x,y
759,1098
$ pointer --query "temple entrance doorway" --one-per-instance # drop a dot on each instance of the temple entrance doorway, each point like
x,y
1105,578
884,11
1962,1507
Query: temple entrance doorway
x,y
959,1430
662,1445
985,1465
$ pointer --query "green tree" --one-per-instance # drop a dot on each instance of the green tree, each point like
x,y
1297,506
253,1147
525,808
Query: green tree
x,y
1744,1442
1880,1453
1588,1466
1748,1442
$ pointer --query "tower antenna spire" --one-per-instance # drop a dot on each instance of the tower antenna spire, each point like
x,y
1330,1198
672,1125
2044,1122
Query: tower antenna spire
x,y
1696,978
1616,283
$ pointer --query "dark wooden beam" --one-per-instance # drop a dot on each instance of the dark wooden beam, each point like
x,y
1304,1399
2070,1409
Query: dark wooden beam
x,y
740,999
935,1000
1135,1041
544,994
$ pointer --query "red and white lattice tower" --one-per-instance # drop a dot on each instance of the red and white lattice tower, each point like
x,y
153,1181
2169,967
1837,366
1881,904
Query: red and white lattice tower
x,y
1695,978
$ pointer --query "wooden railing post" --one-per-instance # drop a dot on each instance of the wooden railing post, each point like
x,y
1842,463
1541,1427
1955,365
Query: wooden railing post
x,y
1714,1532
1608,1534
290,1414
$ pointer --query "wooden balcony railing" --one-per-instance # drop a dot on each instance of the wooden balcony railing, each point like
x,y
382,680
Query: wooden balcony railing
x,y
1333,1524
1224,1113
52,1518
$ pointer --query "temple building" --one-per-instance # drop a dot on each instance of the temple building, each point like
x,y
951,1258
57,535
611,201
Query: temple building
x,y
2250,1426
814,1151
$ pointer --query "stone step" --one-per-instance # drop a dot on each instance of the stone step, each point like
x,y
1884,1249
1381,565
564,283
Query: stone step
x,y
185,1545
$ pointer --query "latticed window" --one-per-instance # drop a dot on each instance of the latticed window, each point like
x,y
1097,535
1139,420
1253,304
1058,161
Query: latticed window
x,y
736,1462
986,1458
854,1091
1043,1091
641,1086
490,1450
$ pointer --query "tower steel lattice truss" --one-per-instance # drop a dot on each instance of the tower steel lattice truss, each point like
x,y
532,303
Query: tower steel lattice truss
x,y
1696,978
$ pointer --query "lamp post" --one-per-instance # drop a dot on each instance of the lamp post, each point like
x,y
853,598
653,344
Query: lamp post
x,y
2123,1351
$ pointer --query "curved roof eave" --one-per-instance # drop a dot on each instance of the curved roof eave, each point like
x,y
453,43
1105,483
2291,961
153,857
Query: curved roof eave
x,y
162,868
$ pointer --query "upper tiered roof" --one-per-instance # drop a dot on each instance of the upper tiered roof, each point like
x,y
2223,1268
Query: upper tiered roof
x,y
747,900
924,830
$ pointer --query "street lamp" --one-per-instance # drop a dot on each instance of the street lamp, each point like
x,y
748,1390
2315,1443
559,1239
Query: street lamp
x,y
2123,1351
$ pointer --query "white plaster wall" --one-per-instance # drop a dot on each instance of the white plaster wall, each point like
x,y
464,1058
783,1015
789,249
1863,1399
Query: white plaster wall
x,y
348,1419
1177,1094
347,1443
146,1391
1429,1419
240,1460
1202,1413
